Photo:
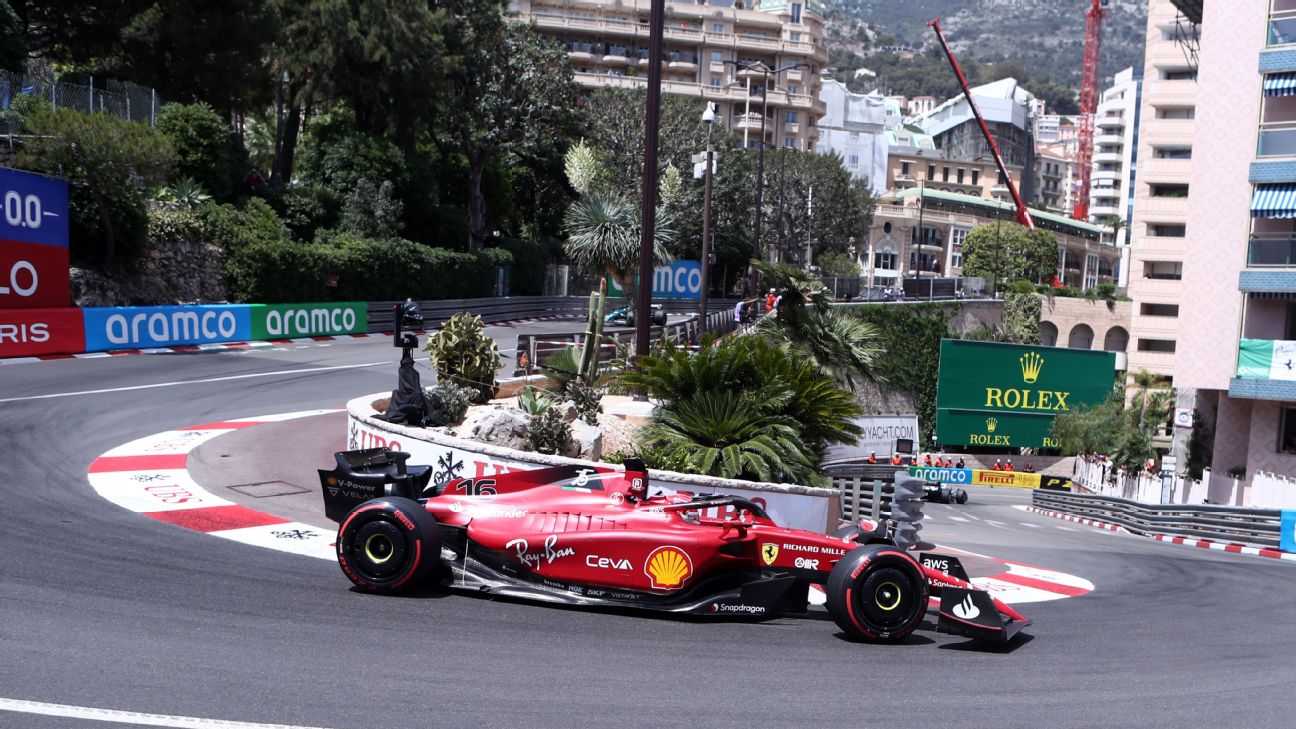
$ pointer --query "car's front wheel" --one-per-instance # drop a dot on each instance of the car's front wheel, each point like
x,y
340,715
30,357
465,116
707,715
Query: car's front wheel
x,y
877,593
389,544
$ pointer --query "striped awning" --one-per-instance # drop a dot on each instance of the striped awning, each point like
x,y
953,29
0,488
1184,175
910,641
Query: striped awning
x,y
1274,201
1280,84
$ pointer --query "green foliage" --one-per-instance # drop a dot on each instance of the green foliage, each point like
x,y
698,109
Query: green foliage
x,y
449,401
586,399
185,193
175,225
13,50
725,434
107,162
1022,286
463,354
603,237
1002,251
371,211
336,156
533,401
561,367
909,358
530,259
207,149
1021,318
836,263
1123,433
235,227
549,433
305,209
779,384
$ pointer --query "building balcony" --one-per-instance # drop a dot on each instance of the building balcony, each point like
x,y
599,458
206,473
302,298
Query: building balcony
x,y
1267,280
1167,132
617,59
1171,93
1165,170
1276,139
1109,138
1269,250
1108,157
1266,370
1109,122
1163,209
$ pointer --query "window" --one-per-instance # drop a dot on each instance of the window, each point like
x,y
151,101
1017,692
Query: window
x,y
854,137
931,172
1159,309
853,160
715,81
1172,152
960,175
1287,430
792,89
717,57
789,143
957,236
794,35
1168,190
790,117
976,177
1179,74
1167,231
885,259
1163,270
1091,271
796,12
945,174
1166,346
1002,179
904,168
717,28
1176,112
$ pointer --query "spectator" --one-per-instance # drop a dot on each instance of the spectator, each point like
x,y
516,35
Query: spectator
x,y
1009,466
769,301
1030,467
738,312
872,457
947,463
998,465
927,460
960,463
895,459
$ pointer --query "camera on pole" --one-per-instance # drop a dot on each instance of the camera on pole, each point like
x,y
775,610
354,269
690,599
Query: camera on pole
x,y
408,403
906,509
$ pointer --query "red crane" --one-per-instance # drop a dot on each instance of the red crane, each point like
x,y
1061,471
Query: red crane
x,y
1088,104
1023,215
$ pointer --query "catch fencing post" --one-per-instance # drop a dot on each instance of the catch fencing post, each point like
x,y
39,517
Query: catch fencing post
x,y
876,512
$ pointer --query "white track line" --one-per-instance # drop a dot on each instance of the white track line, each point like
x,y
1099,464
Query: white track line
x,y
958,518
194,382
131,717
1028,524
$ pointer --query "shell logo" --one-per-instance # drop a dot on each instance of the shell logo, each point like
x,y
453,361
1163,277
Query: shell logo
x,y
667,568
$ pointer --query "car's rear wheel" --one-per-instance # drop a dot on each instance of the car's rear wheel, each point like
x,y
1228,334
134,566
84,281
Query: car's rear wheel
x,y
387,545
961,496
877,593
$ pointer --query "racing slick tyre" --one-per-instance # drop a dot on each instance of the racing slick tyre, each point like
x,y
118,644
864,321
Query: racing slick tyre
x,y
389,544
961,496
877,593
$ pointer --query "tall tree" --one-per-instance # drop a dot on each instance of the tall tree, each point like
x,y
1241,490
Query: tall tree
x,y
512,94
1006,252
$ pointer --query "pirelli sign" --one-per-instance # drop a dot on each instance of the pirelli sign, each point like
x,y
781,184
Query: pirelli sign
x,y
1006,395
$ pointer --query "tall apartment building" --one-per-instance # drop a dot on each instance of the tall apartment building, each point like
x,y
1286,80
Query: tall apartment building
x,y
707,45
855,127
1161,189
1116,140
1236,355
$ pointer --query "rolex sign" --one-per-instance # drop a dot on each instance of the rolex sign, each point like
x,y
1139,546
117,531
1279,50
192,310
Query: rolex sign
x,y
1006,395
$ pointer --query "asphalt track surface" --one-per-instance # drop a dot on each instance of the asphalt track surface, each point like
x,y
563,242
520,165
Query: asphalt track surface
x,y
105,608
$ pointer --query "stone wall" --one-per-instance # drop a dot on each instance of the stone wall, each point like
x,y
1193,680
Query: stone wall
x,y
169,272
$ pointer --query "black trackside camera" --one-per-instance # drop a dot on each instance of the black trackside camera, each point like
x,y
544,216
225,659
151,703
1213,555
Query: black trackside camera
x,y
408,319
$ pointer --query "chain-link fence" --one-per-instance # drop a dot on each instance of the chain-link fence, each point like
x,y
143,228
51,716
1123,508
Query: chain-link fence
x,y
121,99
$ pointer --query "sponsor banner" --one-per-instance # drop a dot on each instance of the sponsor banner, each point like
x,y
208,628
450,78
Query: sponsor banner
x,y
879,437
29,332
449,463
33,208
1287,542
1006,395
133,327
942,475
285,321
33,276
1055,483
674,280
1267,359
1006,478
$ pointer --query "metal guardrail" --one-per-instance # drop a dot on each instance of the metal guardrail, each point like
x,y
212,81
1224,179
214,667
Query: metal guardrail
x,y
493,309
863,498
1261,527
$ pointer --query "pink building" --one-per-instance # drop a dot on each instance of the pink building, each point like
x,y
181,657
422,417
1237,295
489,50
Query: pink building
x,y
1235,361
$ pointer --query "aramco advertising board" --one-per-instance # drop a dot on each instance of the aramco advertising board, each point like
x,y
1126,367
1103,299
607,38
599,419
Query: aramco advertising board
x,y
1006,395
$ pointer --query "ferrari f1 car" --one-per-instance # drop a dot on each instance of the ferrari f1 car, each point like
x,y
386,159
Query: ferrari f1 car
x,y
604,537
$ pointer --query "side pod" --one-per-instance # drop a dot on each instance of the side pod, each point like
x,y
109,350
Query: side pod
x,y
973,614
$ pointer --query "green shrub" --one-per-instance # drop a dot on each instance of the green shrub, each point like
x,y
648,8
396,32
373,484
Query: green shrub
x,y
463,354
207,149
534,401
305,209
1107,290
233,227
449,402
586,399
372,210
530,259
174,225
549,433
280,271
1022,286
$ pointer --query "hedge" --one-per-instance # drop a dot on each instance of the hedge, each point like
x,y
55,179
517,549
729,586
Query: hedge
x,y
338,267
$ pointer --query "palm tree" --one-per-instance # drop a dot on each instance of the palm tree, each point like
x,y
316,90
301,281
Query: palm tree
x,y
1116,224
726,434
603,231
1143,380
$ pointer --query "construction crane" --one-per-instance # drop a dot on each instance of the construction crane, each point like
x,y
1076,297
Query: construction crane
x,y
1023,215
1088,104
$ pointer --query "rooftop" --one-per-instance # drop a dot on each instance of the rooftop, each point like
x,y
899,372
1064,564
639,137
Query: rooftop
x,y
1048,221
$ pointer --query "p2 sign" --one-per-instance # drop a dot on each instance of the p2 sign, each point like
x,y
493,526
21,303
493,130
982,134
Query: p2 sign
x,y
674,280
131,327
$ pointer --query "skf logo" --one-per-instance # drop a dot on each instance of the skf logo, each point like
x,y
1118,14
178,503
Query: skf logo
x,y
991,424
769,553
1031,363
667,568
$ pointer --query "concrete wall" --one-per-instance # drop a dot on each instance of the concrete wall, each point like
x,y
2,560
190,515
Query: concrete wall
x,y
1102,317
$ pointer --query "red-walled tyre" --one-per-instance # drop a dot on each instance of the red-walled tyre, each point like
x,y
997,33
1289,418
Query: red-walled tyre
x,y
877,593
388,545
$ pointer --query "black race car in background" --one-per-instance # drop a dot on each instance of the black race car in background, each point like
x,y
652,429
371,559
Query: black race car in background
x,y
941,494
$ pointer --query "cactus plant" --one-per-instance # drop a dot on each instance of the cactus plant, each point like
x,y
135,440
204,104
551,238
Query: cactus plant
x,y
464,355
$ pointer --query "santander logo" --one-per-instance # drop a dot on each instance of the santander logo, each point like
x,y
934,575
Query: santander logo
x,y
966,610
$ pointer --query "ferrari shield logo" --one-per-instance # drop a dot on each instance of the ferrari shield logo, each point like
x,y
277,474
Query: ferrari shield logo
x,y
769,553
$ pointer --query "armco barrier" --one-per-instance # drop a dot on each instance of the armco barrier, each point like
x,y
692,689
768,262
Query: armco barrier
x,y
1224,523
800,507
140,327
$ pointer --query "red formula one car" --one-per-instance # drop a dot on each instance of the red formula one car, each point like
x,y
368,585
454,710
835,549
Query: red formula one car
x,y
599,537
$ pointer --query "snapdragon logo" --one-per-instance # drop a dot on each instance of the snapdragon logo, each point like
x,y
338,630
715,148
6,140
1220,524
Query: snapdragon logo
x,y
309,321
